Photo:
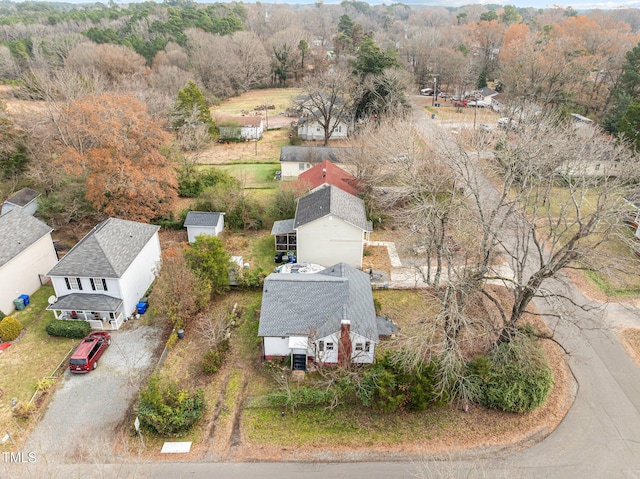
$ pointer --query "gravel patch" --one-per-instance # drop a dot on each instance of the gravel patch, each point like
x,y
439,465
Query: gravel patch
x,y
86,409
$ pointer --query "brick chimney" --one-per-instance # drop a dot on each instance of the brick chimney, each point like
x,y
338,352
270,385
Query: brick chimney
x,y
344,346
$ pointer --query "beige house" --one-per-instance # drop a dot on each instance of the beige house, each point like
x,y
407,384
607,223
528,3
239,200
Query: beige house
x,y
26,254
331,227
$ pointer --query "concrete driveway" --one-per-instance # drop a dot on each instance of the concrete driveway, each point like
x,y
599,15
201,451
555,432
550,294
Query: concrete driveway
x,y
85,410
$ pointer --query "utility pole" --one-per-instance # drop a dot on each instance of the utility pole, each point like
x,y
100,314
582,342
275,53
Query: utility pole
x,y
435,89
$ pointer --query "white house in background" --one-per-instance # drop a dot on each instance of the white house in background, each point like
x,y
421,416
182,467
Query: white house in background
x,y
26,254
326,317
309,128
486,94
103,277
26,198
203,223
245,128
331,227
297,159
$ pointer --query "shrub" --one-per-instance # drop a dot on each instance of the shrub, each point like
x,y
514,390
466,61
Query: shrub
x,y
211,361
520,378
10,328
2,315
167,410
388,386
23,410
68,328
45,384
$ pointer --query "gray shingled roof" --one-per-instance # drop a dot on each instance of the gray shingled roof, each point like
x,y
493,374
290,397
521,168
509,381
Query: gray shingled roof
x,y
315,304
312,154
86,302
201,218
106,251
18,231
23,197
334,201
282,227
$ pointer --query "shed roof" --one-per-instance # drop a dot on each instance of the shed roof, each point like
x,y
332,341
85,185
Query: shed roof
x,y
107,250
282,227
23,197
202,218
331,200
328,173
315,304
18,231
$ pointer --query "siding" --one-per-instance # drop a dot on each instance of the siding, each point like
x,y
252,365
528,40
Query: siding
x,y
330,240
21,275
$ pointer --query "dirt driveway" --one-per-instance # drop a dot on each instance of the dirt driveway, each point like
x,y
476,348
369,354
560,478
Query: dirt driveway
x,y
86,409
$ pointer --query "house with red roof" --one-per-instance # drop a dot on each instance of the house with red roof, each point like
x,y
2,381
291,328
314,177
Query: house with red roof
x,y
326,173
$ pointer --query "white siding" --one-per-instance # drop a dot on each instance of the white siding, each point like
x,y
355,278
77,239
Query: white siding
x,y
60,286
311,130
330,240
140,274
328,355
21,274
193,231
276,346
291,169
363,356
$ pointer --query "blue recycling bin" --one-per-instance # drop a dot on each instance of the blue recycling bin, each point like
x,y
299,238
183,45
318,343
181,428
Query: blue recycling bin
x,y
25,299
142,307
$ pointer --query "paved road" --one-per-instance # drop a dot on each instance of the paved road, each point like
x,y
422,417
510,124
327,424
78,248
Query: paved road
x,y
599,438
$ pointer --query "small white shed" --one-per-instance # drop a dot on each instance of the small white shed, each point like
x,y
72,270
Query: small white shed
x,y
26,198
203,223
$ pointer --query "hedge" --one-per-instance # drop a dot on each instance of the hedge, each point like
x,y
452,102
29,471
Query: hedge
x,y
68,328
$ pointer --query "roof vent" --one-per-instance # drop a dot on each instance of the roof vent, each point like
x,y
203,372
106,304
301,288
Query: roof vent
x,y
324,172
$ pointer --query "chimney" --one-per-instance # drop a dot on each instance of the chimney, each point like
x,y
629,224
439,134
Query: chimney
x,y
344,346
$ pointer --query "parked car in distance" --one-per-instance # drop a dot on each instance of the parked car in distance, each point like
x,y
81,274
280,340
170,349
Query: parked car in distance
x,y
460,103
444,94
89,351
478,103
484,127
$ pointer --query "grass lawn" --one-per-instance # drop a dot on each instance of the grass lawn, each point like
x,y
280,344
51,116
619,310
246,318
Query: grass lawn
x,y
281,98
253,175
267,150
34,356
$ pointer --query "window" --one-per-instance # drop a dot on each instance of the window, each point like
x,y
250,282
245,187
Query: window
x,y
329,346
301,166
339,129
597,166
358,346
367,346
317,129
321,346
73,283
98,284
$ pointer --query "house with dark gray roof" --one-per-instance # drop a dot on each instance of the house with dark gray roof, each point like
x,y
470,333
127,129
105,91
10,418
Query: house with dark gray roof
x,y
297,159
26,198
26,254
103,277
203,223
331,227
327,317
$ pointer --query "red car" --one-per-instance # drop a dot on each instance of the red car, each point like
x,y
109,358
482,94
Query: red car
x,y
85,357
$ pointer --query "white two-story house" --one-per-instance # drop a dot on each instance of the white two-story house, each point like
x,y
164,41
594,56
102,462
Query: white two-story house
x,y
103,277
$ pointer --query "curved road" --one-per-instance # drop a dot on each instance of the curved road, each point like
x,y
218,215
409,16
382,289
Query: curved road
x,y
599,437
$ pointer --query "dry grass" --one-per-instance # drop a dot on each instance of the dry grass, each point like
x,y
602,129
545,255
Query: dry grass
x,y
32,357
280,98
630,340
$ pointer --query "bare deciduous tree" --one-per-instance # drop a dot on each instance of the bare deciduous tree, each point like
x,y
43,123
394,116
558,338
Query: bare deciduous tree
x,y
326,99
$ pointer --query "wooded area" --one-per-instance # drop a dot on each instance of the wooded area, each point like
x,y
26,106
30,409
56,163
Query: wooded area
x,y
160,65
